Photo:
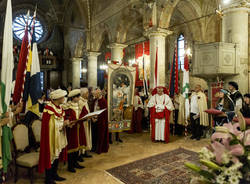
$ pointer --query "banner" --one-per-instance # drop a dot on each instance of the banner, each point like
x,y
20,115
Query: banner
x,y
142,57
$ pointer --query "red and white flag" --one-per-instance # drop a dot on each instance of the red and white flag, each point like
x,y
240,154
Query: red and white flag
x,y
21,68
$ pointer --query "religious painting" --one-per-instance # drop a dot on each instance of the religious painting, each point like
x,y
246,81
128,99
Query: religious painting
x,y
121,84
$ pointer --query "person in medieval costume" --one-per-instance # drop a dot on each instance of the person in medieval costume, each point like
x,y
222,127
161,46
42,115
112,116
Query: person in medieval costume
x,y
160,106
53,137
198,116
75,131
101,123
137,114
237,98
202,104
179,104
87,124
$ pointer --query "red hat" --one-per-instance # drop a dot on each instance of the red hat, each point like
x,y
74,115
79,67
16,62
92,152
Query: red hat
x,y
165,90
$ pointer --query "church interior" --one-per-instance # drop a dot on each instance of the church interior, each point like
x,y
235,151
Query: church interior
x,y
133,48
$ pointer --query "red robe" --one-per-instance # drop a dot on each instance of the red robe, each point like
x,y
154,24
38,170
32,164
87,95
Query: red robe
x,y
44,158
154,115
136,125
82,136
75,135
102,128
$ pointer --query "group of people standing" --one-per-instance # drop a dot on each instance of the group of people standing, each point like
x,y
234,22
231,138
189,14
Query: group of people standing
x,y
168,112
67,135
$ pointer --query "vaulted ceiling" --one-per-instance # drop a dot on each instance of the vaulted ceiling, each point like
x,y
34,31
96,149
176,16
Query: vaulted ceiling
x,y
54,11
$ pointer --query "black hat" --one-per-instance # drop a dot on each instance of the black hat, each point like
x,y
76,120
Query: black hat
x,y
247,95
234,84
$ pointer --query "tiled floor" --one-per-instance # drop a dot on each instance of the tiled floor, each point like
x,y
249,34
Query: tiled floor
x,y
135,147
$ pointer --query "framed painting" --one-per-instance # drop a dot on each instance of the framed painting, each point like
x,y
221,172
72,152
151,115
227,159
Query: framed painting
x,y
121,86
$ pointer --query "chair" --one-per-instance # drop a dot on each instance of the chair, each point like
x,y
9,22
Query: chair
x,y
22,159
36,127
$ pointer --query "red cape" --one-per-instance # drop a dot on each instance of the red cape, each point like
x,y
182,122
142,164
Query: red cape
x,y
44,158
76,134
154,115
82,136
136,125
102,128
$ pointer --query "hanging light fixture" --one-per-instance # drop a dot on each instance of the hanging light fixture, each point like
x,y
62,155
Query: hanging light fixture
x,y
103,67
84,70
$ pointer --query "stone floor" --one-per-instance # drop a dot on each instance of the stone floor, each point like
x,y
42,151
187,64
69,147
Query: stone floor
x,y
134,147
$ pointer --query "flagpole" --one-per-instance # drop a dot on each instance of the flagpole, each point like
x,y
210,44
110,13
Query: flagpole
x,y
26,27
186,89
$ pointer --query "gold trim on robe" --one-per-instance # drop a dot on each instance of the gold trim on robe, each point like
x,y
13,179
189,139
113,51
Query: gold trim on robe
x,y
57,132
202,104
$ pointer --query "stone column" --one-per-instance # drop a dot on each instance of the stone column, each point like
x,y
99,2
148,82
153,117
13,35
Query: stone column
x,y
117,51
235,30
76,67
157,37
65,72
92,68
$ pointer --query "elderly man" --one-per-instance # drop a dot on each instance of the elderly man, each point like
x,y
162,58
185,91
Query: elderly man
x,y
53,137
87,126
102,131
198,117
160,106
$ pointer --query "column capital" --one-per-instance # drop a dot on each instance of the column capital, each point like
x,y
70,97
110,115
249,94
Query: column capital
x,y
76,59
93,54
117,45
155,31
241,5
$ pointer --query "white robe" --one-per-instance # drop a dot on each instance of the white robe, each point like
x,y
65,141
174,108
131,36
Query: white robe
x,y
160,102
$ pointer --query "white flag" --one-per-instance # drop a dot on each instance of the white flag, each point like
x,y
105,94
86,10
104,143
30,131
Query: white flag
x,y
185,87
7,60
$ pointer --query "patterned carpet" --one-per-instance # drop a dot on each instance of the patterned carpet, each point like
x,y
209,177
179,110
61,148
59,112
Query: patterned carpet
x,y
165,168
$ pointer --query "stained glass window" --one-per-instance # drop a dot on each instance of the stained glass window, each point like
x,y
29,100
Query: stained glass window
x,y
181,51
19,27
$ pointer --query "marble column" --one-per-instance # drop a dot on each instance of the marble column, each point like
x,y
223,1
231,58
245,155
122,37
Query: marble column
x,y
157,37
235,30
65,72
76,67
92,68
117,51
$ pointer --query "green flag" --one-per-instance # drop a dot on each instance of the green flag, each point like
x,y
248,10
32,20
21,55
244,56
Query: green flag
x,y
6,83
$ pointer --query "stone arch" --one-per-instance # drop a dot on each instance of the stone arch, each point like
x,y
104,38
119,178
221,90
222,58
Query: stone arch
x,y
124,25
79,48
75,22
166,13
99,36
74,7
169,8
188,10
